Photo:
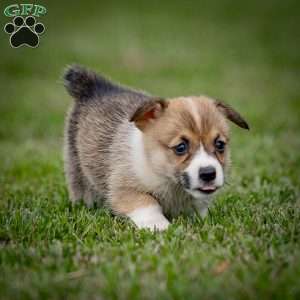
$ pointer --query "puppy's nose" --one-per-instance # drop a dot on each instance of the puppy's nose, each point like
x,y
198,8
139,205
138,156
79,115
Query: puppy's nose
x,y
207,174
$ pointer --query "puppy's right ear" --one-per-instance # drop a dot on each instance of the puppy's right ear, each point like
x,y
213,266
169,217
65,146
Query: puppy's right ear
x,y
149,112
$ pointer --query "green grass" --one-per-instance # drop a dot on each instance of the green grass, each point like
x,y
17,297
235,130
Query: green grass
x,y
245,52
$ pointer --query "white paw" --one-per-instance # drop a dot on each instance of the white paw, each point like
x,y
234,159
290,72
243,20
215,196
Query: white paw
x,y
153,225
149,217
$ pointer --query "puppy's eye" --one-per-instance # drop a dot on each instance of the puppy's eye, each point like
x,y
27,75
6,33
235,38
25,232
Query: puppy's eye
x,y
220,146
181,148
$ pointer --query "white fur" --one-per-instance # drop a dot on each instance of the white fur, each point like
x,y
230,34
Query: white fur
x,y
140,163
201,160
150,217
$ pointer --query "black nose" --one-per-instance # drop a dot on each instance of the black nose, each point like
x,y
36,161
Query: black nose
x,y
207,173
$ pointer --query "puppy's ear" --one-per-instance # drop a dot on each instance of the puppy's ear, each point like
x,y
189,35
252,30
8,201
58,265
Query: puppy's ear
x,y
231,114
149,112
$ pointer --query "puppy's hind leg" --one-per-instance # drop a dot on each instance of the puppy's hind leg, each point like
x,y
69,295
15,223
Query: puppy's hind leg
x,y
91,196
75,180
77,183
79,187
141,208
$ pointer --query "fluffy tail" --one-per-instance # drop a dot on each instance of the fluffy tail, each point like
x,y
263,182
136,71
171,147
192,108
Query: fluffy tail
x,y
83,84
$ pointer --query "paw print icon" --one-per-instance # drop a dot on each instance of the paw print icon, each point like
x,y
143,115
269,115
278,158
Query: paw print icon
x,y
24,32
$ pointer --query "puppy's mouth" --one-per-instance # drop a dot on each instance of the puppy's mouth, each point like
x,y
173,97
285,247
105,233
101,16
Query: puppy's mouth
x,y
206,190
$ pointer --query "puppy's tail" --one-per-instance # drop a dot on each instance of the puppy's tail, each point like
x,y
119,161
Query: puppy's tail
x,y
83,84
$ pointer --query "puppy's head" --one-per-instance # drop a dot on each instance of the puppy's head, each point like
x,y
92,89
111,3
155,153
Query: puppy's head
x,y
187,140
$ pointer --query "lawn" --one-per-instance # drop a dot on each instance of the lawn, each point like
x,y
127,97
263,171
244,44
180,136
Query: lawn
x,y
244,52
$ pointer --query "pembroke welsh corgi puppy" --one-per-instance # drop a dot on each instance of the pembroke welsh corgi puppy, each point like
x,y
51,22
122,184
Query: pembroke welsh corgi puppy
x,y
144,157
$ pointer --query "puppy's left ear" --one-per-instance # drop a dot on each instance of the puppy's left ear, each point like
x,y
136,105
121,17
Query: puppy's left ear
x,y
149,112
231,114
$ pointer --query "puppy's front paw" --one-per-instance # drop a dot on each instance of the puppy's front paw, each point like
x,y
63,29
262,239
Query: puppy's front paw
x,y
159,224
201,208
149,217
203,212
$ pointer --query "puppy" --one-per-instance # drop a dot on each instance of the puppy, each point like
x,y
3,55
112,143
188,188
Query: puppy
x,y
142,156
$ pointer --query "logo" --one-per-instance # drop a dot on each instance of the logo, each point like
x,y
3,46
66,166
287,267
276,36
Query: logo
x,y
24,30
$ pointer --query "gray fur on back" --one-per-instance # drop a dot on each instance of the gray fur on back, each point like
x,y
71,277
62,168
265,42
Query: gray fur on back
x,y
100,106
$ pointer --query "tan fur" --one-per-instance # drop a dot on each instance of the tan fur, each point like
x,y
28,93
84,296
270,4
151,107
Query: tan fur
x,y
131,200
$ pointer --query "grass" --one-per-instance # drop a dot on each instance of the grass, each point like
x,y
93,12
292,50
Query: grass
x,y
246,53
